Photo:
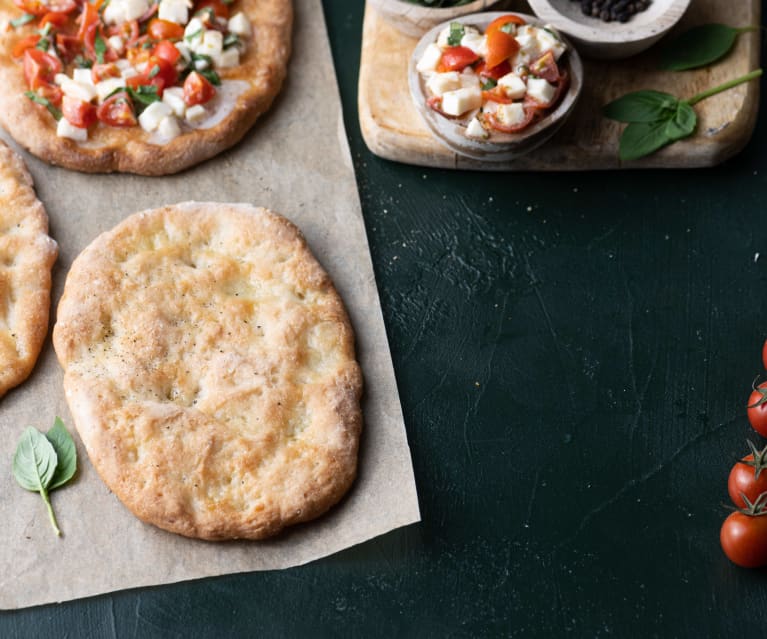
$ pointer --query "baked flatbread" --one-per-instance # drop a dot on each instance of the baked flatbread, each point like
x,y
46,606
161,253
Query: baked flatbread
x,y
210,370
27,255
246,92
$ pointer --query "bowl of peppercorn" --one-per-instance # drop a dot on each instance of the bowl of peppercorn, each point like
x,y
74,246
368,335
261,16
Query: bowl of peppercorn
x,y
611,29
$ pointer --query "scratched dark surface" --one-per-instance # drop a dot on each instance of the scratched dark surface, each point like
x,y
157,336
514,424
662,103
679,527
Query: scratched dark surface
x,y
574,353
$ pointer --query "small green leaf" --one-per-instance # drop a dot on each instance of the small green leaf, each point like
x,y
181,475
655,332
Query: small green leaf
x,y
211,76
100,47
34,462
154,71
38,99
66,453
457,32
641,106
642,138
489,83
698,47
231,40
21,21
683,123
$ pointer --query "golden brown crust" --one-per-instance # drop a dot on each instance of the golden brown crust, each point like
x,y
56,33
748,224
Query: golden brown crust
x,y
263,66
210,370
27,255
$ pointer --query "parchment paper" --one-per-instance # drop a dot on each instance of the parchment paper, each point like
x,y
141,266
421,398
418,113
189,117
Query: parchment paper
x,y
295,161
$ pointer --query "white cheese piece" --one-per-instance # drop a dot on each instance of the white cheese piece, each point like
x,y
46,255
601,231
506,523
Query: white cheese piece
x,y
475,42
83,76
66,130
174,11
540,90
476,130
469,80
460,101
174,98
84,92
490,107
134,9
183,49
116,43
239,25
430,59
442,38
114,13
152,116
212,43
439,83
106,86
196,114
513,86
201,64
193,32
510,114
168,128
548,42
123,64
129,72
228,58
60,78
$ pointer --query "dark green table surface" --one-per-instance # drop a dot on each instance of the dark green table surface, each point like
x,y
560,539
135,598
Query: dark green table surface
x,y
574,352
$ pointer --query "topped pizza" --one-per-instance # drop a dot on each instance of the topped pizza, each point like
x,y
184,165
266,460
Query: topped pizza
x,y
140,86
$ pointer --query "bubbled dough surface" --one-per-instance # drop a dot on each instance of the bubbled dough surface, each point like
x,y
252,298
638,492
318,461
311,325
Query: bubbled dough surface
x,y
210,370
27,255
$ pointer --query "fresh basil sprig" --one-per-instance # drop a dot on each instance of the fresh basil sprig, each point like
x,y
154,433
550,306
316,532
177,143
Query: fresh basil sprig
x,y
457,31
656,119
700,46
43,463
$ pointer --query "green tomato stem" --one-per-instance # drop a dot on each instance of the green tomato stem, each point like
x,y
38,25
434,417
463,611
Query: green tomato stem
x,y
724,87
51,516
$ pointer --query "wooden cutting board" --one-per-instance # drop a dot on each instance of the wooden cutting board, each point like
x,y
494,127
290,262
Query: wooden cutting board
x,y
393,129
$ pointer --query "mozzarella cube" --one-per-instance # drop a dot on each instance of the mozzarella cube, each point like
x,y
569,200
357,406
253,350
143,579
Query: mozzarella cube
x,y
128,72
107,86
430,59
212,43
134,9
196,114
174,98
83,76
114,13
168,127
239,25
84,92
469,79
540,90
442,38
193,32
460,101
476,130
548,42
66,130
152,116
510,114
201,64
183,49
61,78
475,42
174,11
490,107
228,58
116,43
439,83
123,64
513,86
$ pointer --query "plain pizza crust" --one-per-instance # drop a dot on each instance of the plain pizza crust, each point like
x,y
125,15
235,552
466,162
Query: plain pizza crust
x,y
210,370
259,77
27,256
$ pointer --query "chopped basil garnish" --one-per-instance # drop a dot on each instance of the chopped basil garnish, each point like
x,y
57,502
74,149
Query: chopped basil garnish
x,y
488,84
144,93
20,22
82,62
207,73
231,40
508,28
200,57
211,76
456,34
193,35
155,70
206,10
45,102
100,47
43,44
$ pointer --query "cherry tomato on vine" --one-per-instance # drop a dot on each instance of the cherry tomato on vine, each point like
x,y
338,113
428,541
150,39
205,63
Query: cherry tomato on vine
x,y
757,409
744,539
748,477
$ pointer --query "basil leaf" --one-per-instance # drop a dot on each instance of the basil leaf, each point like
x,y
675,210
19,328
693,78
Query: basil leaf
x,y
38,99
82,62
211,76
21,21
510,28
488,84
683,123
43,44
699,46
192,35
642,138
100,47
641,106
34,462
142,96
66,453
231,40
456,34
154,71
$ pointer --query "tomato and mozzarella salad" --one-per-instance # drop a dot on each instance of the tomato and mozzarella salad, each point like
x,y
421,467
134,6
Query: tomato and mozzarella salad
x,y
503,80
127,63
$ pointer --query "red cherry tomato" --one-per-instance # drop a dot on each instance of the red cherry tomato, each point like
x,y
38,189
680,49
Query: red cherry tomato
x,y
456,59
197,89
495,95
743,481
101,72
496,24
757,409
78,112
117,111
68,46
744,539
54,19
500,47
164,30
220,9
40,68
546,67
88,18
496,73
166,50
28,42
159,73
40,8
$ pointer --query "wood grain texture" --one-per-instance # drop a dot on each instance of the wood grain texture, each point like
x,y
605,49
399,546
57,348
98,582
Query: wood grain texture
x,y
392,128
415,19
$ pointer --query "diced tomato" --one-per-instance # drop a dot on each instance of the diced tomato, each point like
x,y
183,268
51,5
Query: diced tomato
x,y
140,51
496,73
129,31
143,80
100,72
164,30
54,19
495,123
220,9
68,46
500,47
197,89
95,31
496,24
117,111
28,42
78,112
159,73
40,68
546,67
88,17
50,92
456,59
40,8
166,50
496,96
